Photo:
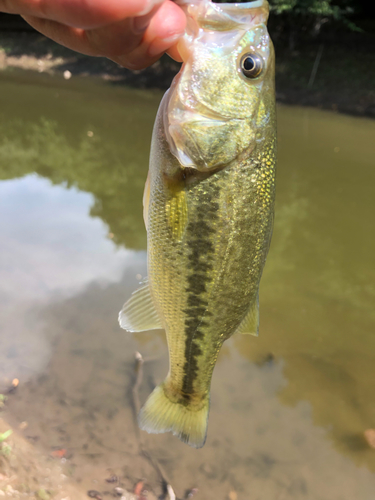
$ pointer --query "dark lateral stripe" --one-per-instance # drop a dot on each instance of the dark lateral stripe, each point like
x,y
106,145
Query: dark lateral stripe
x,y
199,235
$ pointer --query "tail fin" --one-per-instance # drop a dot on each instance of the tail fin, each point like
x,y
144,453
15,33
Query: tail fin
x,y
160,414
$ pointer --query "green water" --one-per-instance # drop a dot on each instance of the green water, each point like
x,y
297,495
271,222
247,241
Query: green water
x,y
289,408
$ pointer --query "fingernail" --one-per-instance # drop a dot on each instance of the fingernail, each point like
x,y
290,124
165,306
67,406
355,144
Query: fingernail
x,y
151,4
162,44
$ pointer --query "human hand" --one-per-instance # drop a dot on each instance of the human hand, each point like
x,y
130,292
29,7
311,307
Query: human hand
x,y
133,33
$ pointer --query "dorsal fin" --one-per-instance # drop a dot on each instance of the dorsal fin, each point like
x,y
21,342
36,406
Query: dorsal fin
x,y
139,313
250,324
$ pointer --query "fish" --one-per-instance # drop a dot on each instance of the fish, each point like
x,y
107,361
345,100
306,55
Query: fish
x,y
208,207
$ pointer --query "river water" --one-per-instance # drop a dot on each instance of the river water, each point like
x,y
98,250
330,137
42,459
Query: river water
x,y
288,409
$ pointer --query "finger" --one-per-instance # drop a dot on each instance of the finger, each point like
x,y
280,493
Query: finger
x,y
166,27
87,14
117,41
73,38
122,37
114,39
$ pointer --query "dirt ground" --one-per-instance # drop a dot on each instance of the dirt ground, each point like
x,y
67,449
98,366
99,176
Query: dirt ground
x,y
25,473
30,468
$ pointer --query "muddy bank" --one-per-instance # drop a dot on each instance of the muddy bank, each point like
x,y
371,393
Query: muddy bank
x,y
26,473
330,75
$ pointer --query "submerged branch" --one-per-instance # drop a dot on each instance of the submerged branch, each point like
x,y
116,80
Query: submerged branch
x,y
139,361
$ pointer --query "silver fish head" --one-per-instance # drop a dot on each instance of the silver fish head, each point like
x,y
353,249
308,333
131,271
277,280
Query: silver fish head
x,y
222,101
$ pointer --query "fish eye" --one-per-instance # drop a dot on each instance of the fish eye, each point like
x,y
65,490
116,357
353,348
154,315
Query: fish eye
x,y
251,65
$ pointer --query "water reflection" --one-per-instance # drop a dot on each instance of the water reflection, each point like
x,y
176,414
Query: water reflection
x,y
50,249
49,245
287,425
103,150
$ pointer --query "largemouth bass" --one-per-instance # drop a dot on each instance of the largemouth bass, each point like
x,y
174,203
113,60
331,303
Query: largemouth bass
x,y
208,206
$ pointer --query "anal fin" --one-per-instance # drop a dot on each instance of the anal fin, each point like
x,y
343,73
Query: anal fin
x,y
250,324
139,313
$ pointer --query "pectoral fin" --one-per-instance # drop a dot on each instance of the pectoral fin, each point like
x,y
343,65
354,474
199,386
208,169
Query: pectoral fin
x,y
176,211
250,324
139,313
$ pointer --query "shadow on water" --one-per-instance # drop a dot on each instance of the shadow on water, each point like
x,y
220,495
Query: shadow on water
x,y
35,45
311,370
